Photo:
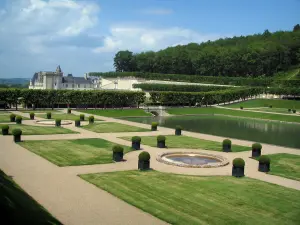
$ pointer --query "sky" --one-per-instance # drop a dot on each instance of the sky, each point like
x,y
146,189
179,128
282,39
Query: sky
x,y
84,35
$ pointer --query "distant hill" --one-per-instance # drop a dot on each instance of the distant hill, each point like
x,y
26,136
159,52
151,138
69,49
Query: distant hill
x,y
14,82
11,81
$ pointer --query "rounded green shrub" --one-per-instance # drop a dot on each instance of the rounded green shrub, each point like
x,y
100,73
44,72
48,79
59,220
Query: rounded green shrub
x,y
117,149
161,138
264,159
77,120
16,132
289,110
294,110
31,114
91,119
257,146
136,139
144,156
270,106
48,115
238,162
178,127
227,142
57,120
5,127
154,124
19,119
241,107
69,110
12,116
81,116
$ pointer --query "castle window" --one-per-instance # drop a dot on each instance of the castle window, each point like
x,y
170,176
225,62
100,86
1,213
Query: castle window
x,y
85,86
78,85
72,85
66,85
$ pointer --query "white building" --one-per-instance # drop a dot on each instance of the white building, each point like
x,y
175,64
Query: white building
x,y
56,80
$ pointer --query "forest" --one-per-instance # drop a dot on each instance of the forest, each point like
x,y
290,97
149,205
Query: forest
x,y
258,55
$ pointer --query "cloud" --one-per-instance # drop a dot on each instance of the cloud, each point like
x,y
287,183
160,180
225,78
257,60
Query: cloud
x,y
136,38
38,35
157,11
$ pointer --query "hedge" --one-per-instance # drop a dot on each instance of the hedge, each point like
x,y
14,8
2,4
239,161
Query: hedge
x,y
237,81
176,87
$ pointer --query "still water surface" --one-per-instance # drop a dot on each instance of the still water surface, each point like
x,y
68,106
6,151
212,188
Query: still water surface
x,y
277,133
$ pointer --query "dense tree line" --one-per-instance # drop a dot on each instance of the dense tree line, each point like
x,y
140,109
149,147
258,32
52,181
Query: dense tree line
x,y
245,56
237,81
51,98
176,87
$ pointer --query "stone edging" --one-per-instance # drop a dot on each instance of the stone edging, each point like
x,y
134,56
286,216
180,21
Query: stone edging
x,y
223,160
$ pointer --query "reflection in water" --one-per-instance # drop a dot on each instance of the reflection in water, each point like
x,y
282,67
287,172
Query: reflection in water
x,y
277,133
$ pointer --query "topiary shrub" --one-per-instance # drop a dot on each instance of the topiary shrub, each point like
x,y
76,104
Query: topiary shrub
x,y
58,122
161,141
144,161
69,111
238,167
226,145
77,123
136,142
178,130
264,163
5,129
118,152
154,126
270,106
256,150
31,115
241,107
17,135
91,119
12,117
81,116
18,119
294,110
289,110
48,115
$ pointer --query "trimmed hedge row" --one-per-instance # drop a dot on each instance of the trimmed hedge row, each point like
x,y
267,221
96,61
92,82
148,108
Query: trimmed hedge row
x,y
52,97
176,87
202,98
237,81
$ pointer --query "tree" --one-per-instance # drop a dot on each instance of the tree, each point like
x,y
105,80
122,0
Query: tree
x,y
296,28
124,61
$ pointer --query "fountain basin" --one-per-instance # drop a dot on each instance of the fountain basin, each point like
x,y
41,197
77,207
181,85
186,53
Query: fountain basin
x,y
192,159
52,122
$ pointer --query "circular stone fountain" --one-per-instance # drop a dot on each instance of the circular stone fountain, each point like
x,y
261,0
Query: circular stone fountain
x,y
52,122
192,159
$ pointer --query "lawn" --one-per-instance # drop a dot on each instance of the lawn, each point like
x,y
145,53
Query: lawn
x,y
73,152
179,199
285,165
116,112
62,116
173,141
237,113
5,118
111,127
39,130
276,110
276,103
17,207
